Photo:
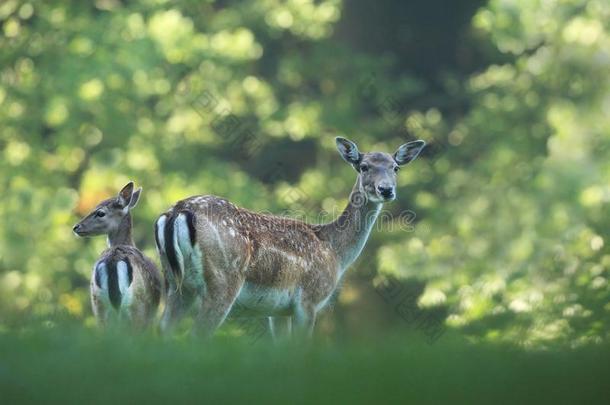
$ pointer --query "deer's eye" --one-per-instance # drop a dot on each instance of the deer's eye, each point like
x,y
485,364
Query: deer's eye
x,y
396,169
100,213
364,168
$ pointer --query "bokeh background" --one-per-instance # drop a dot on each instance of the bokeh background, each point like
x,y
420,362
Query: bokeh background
x,y
510,213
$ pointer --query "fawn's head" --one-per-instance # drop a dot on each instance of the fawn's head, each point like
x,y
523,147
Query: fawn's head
x,y
108,214
377,170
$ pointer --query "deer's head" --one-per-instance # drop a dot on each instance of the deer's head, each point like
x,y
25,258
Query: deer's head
x,y
377,170
108,214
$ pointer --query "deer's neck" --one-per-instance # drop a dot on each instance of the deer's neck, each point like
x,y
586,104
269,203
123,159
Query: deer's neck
x,y
122,235
349,232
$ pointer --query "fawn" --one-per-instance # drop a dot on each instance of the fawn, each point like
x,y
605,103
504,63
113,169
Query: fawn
x,y
125,284
222,256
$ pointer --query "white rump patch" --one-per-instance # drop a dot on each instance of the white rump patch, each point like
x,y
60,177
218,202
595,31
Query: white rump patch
x,y
123,278
161,233
100,271
182,240
189,256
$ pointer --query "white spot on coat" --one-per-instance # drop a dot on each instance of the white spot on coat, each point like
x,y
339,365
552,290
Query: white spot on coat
x,y
161,233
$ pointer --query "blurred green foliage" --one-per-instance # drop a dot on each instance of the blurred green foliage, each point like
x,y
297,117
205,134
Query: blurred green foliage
x,y
242,99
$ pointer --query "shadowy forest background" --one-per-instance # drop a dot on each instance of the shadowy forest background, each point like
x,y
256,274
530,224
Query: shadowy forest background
x,y
507,210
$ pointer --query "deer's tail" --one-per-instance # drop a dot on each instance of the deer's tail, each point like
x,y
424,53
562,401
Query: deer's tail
x,y
176,238
114,277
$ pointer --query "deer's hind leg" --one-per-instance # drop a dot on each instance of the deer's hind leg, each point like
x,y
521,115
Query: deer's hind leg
x,y
222,288
100,310
177,305
304,317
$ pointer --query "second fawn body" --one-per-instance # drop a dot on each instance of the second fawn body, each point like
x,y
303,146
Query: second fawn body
x,y
125,284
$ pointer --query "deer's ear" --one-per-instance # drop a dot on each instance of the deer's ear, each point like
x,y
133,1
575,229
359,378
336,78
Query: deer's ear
x,y
408,152
125,194
135,197
348,150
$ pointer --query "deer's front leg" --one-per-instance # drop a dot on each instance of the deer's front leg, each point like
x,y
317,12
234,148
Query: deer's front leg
x,y
304,319
280,327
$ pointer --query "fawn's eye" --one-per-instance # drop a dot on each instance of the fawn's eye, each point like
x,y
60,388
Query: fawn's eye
x,y
100,213
396,169
364,168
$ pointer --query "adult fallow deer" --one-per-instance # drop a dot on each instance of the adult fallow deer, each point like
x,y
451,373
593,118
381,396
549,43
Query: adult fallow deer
x,y
219,255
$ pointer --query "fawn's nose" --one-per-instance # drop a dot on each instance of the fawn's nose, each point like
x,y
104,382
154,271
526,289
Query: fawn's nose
x,y
386,192
76,228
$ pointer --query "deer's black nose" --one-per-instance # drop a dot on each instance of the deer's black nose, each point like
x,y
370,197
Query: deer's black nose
x,y
386,192
76,228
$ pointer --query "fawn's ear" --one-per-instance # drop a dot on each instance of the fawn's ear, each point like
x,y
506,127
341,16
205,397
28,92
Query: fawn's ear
x,y
348,150
125,194
135,197
408,152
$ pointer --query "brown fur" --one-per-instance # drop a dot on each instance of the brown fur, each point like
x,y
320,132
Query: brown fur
x,y
141,298
267,264
146,289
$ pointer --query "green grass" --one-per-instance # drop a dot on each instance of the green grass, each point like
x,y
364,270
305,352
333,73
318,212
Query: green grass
x,y
77,366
